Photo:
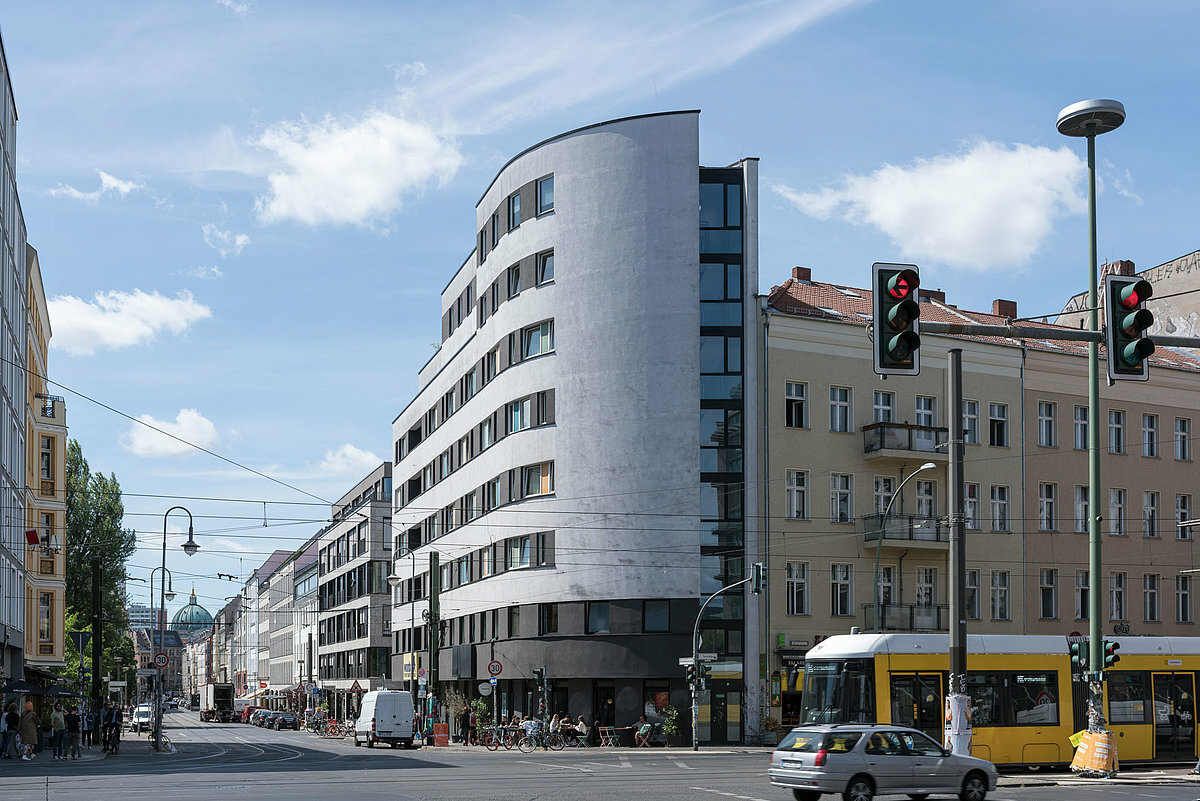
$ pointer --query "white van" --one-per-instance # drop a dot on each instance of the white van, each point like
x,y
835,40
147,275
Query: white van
x,y
385,716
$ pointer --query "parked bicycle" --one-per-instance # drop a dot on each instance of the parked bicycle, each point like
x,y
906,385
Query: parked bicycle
x,y
495,736
539,738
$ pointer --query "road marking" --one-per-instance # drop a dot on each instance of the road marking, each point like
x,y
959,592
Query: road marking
x,y
551,766
624,761
727,795
678,764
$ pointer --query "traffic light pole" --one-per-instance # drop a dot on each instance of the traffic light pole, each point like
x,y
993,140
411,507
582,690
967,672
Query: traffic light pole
x,y
958,728
696,659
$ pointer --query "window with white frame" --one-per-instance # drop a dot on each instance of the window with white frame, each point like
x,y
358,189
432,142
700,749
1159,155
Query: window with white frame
x,y
839,409
797,588
1116,431
1150,435
1081,428
1183,442
1183,513
927,586
1116,596
841,502
545,193
1082,599
883,407
1047,425
926,498
537,339
971,596
1081,510
1000,587
970,412
1150,598
884,488
998,424
797,494
971,506
1048,592
1149,514
1183,599
1046,496
885,594
926,411
841,601
795,404
999,508
1116,512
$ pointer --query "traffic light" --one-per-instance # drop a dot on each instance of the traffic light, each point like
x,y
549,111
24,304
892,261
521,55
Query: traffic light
x,y
756,582
1079,655
705,672
691,674
539,675
1111,657
1126,320
896,318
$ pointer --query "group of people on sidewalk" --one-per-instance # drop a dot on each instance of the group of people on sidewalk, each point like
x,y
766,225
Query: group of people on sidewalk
x,y
69,730
468,727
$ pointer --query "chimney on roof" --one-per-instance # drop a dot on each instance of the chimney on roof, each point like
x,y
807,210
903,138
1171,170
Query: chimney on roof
x,y
932,294
802,273
1119,267
1005,308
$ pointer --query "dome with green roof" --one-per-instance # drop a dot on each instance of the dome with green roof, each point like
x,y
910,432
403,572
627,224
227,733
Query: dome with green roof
x,y
192,617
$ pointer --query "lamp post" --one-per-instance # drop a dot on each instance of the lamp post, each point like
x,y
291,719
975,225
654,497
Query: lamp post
x,y
1089,118
190,547
394,580
883,530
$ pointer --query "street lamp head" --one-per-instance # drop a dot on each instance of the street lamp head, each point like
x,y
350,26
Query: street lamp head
x,y
394,580
170,595
190,547
927,466
1090,118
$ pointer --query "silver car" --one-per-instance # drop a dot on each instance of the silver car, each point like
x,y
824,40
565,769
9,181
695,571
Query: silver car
x,y
861,761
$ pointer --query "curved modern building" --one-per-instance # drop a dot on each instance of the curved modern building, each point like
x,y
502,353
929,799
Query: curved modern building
x,y
575,460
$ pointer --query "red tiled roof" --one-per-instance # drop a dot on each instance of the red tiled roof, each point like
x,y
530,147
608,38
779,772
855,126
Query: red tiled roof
x,y
853,305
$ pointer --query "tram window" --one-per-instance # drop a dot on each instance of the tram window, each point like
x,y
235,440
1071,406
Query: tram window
x,y
1127,698
1034,698
984,690
838,692
803,741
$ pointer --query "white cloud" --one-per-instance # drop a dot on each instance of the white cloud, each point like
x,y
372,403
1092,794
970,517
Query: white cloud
x,y
119,319
226,544
241,9
189,425
207,273
224,242
349,459
351,171
108,184
986,208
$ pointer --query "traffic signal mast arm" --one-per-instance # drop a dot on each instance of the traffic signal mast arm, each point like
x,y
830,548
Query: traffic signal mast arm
x,y
1016,331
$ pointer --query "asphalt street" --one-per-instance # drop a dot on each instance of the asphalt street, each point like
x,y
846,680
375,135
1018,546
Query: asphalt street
x,y
214,761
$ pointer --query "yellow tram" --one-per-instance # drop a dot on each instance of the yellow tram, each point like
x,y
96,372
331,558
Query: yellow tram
x,y
1025,703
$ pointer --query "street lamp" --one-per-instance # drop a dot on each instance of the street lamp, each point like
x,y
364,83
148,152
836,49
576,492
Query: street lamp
x,y
882,531
394,580
1089,118
190,547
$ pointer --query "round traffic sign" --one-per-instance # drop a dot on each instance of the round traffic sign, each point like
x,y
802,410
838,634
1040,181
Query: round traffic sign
x,y
161,659
309,686
421,672
485,689
495,668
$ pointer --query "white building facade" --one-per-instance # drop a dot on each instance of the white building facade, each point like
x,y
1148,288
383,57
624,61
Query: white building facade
x,y
575,455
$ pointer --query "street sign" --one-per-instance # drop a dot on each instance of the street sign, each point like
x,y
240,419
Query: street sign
x,y
81,639
492,681
485,689
309,686
116,684
495,668
685,660
421,673
161,659
707,657
146,672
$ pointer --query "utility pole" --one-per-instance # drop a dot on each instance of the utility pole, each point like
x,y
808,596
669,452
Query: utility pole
x,y
97,634
958,728
435,628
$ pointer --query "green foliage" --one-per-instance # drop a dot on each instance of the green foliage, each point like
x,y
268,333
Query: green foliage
x,y
93,527
483,711
117,644
670,716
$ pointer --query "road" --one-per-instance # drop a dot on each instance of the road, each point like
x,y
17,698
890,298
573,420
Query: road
x,y
215,761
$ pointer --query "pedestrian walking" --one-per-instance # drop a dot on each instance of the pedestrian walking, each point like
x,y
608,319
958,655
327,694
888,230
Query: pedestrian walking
x,y
58,728
8,732
464,723
472,729
73,733
27,729
87,720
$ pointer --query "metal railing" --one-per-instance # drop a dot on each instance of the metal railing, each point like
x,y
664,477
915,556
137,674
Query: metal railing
x,y
910,528
908,617
904,437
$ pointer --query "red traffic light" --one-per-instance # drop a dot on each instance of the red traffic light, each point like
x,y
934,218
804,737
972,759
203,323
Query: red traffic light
x,y
903,284
1132,295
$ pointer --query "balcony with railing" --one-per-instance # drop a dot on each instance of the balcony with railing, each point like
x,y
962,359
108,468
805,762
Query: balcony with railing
x,y
51,408
907,617
901,441
906,531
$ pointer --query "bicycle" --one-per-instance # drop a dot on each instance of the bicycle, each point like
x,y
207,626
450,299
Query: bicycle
x,y
551,742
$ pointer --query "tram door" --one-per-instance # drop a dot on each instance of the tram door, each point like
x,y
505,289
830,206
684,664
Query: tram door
x,y
917,702
1174,716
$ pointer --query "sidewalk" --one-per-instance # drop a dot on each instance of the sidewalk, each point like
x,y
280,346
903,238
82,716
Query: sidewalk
x,y
1134,776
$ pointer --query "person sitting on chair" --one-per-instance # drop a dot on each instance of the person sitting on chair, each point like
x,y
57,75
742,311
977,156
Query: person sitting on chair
x,y
642,731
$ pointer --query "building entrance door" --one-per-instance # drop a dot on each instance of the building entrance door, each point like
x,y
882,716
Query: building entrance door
x,y
603,706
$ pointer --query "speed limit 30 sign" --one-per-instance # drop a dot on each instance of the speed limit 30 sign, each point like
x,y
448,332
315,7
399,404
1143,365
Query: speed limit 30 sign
x,y
161,660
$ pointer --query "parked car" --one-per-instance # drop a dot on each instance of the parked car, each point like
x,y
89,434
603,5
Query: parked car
x,y
861,761
265,718
142,718
257,715
285,720
247,713
172,703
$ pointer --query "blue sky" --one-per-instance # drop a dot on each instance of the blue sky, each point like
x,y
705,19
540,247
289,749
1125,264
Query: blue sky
x,y
245,210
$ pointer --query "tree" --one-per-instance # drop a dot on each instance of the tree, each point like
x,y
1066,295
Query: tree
x,y
93,530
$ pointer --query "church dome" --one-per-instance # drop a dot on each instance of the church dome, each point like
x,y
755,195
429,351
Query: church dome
x,y
192,617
